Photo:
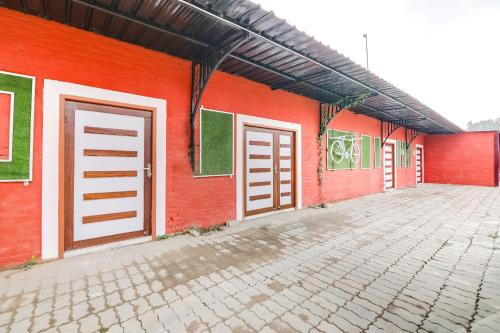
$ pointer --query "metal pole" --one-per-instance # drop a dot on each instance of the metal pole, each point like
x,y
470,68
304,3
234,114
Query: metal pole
x,y
366,48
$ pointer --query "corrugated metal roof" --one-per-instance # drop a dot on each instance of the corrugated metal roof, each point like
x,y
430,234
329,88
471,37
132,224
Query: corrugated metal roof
x,y
277,54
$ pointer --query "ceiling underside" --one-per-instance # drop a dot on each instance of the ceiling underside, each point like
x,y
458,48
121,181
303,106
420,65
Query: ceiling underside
x,y
276,54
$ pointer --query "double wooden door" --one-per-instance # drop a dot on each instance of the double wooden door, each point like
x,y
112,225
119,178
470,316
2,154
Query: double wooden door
x,y
389,167
419,164
108,171
269,164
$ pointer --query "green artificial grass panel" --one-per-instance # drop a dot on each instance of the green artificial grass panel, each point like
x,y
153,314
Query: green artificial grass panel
x,y
19,167
216,151
378,160
366,152
345,163
398,153
408,157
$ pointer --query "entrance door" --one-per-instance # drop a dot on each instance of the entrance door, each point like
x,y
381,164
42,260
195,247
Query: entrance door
x,y
389,174
269,170
107,174
419,160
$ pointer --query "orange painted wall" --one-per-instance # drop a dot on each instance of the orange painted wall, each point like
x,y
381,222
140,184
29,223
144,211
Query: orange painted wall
x,y
464,159
48,50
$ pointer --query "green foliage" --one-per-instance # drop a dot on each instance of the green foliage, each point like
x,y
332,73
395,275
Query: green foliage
x,y
345,163
343,103
484,125
28,264
366,152
19,167
216,151
378,157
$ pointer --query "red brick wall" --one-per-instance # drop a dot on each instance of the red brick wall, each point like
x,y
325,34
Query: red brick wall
x,y
49,50
465,159
4,125
497,160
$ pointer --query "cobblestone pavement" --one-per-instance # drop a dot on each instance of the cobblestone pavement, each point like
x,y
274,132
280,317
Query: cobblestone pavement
x,y
416,260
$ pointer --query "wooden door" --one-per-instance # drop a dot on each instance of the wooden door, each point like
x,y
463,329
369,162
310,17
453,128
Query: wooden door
x,y
389,174
108,171
269,166
419,164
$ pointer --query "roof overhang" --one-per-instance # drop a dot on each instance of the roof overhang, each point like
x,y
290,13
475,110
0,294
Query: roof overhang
x,y
276,53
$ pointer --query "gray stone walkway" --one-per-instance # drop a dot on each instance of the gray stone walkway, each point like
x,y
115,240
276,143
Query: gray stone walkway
x,y
416,260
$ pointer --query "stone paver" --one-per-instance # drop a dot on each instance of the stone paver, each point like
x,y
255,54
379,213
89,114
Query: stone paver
x,y
414,260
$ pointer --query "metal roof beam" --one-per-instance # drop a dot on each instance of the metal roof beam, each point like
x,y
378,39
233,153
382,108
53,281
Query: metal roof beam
x,y
162,29
318,63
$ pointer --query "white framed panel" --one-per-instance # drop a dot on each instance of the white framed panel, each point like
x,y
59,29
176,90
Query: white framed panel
x,y
53,90
32,129
201,151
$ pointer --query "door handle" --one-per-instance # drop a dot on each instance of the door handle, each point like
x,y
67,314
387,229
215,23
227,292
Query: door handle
x,y
149,170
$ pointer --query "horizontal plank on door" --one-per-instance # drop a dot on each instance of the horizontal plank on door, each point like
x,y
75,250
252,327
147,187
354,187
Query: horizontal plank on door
x,y
109,174
259,157
109,195
285,157
259,197
108,217
109,131
254,184
259,143
259,170
286,194
109,153
285,170
283,182
285,145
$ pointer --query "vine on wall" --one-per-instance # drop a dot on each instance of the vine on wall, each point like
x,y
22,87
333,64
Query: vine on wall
x,y
327,113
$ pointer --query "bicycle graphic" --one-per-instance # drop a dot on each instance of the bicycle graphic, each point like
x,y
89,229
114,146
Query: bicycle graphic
x,y
345,147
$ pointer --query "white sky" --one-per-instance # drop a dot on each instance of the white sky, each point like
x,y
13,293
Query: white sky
x,y
446,53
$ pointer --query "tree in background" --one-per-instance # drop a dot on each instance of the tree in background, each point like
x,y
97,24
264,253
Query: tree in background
x,y
484,125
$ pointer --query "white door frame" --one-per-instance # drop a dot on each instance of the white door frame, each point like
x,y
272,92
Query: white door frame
x,y
421,163
52,92
241,121
395,175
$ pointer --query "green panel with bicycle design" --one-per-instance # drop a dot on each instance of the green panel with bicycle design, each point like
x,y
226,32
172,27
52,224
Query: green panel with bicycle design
x,y
342,150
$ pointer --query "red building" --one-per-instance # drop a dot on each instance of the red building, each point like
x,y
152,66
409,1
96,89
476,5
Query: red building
x,y
112,136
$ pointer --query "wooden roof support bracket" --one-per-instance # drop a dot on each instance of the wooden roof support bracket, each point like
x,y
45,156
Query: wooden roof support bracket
x,y
388,127
410,135
327,111
202,71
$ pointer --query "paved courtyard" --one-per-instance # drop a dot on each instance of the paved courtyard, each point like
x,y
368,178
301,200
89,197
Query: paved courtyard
x,y
416,260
